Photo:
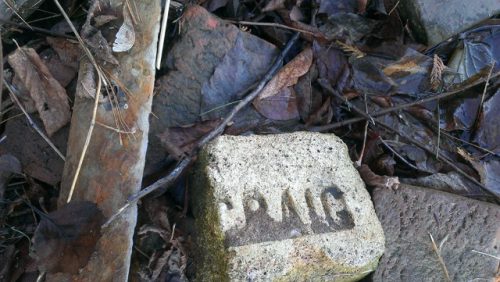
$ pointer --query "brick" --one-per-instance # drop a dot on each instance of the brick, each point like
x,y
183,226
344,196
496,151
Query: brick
x,y
460,225
288,207
435,21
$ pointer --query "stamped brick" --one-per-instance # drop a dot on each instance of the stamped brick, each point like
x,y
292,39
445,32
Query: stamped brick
x,y
288,207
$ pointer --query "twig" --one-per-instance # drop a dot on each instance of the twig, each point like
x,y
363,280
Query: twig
x,y
30,121
1,74
163,30
162,184
397,154
440,258
37,29
394,8
413,141
399,107
271,25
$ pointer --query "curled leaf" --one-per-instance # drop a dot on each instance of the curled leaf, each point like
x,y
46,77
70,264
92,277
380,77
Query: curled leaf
x,y
289,74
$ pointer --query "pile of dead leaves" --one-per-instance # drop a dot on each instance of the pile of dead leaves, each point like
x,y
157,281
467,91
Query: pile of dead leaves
x,y
408,112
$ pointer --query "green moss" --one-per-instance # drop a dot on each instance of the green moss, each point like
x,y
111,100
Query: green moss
x,y
326,270
211,257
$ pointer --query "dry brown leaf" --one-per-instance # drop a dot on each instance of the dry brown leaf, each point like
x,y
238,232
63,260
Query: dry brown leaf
x,y
437,72
66,238
289,74
274,5
377,181
50,97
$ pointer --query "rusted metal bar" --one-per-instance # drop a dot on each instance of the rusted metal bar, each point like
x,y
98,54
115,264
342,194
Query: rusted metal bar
x,y
113,165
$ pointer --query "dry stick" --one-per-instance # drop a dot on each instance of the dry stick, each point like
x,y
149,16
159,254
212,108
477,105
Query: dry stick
x,y
1,74
162,34
411,140
30,121
443,159
398,107
96,103
163,184
37,29
271,25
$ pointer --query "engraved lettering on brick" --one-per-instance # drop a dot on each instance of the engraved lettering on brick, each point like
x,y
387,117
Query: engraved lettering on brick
x,y
247,219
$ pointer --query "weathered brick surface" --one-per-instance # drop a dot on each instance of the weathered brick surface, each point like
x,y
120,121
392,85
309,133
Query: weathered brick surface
x,y
289,207
463,227
437,20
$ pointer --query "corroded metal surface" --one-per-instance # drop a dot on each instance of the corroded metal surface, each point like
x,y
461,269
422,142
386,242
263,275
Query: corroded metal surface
x,y
113,166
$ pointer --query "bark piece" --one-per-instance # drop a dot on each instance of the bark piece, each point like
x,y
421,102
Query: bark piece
x,y
113,166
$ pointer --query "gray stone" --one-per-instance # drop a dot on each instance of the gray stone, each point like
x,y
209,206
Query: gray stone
x,y
435,21
288,207
467,231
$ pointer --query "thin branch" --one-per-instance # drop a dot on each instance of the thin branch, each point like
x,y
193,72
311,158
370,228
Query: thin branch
x,y
412,140
30,121
37,29
397,154
399,107
163,184
271,25
1,73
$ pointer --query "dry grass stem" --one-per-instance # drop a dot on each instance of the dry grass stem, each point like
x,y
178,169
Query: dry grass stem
x,y
486,254
163,30
87,140
440,258
31,122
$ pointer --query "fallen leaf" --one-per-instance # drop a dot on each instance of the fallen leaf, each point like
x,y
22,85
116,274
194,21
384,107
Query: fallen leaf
x,y
37,158
288,75
181,140
69,52
125,37
281,106
488,133
50,97
8,165
66,238
340,6
274,5
377,181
